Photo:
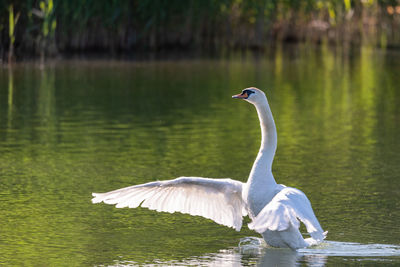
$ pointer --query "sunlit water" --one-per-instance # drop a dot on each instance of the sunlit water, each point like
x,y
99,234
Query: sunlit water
x,y
253,250
81,127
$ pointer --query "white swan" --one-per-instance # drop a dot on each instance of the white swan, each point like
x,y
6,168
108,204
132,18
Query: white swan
x,y
275,209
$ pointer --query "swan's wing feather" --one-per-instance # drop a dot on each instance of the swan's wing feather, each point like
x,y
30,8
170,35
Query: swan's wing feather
x,y
217,199
286,209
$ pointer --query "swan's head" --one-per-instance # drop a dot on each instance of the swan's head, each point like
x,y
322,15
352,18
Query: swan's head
x,y
252,95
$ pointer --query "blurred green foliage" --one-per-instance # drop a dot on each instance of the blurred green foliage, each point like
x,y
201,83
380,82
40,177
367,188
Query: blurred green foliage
x,y
53,26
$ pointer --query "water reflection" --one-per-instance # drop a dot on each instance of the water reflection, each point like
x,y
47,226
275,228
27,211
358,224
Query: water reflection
x,y
78,127
236,257
253,251
10,97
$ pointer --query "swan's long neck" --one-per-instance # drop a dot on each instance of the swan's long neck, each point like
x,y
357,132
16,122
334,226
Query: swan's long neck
x,y
261,171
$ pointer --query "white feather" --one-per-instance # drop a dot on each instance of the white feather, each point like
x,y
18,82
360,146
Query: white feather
x,y
217,199
284,211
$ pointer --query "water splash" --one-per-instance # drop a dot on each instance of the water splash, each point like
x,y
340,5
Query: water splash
x,y
250,245
315,255
333,248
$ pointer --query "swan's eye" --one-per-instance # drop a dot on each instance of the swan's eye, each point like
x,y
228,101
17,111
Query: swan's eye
x,y
248,92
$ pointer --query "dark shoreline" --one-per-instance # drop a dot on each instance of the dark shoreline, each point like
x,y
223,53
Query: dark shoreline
x,y
195,54
39,30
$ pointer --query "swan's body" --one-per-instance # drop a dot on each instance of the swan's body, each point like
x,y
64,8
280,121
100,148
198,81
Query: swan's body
x,y
275,209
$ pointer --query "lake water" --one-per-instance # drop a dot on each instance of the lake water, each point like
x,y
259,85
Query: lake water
x,y
77,127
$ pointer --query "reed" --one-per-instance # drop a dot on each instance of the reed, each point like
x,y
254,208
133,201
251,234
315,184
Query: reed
x,y
51,27
12,22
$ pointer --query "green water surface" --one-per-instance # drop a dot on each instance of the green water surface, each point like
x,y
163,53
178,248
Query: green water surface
x,y
77,127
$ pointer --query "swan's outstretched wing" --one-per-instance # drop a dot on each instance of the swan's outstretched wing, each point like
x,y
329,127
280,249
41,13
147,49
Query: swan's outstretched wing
x,y
217,199
284,210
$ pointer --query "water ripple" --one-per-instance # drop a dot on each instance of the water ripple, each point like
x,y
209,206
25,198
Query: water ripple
x,y
254,251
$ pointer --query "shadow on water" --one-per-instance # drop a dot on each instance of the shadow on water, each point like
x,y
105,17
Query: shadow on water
x,y
254,251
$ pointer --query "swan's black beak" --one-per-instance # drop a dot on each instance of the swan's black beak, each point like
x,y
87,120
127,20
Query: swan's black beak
x,y
243,95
